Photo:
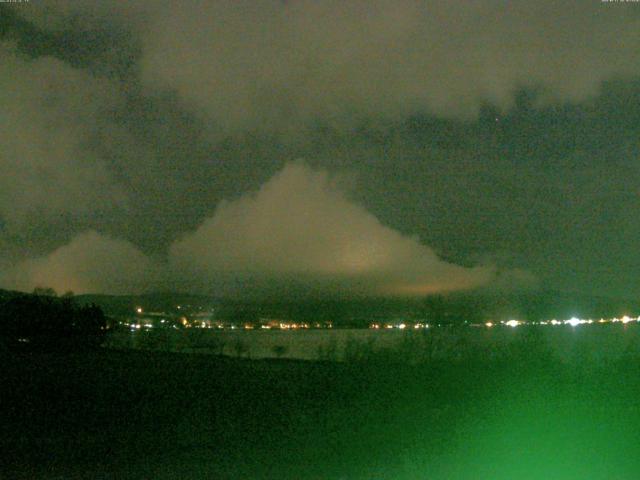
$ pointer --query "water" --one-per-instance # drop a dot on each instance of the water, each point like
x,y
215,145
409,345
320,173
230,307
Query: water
x,y
582,343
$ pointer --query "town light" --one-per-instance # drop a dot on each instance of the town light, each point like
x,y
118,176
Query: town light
x,y
574,322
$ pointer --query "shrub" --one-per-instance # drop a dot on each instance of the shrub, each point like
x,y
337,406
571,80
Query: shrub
x,y
279,350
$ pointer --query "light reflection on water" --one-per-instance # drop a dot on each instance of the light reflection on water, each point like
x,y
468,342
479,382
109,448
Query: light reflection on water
x,y
587,342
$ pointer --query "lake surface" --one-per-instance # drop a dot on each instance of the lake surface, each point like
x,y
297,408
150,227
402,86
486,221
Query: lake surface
x,y
585,342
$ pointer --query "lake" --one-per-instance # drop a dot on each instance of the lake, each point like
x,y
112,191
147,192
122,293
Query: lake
x,y
585,342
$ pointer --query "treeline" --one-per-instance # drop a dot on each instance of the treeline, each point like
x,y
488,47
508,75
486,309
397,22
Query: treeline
x,y
44,321
453,308
450,309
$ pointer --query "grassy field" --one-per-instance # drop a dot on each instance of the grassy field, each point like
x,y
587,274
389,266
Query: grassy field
x,y
133,414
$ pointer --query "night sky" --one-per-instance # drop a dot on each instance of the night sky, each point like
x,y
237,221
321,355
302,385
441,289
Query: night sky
x,y
341,148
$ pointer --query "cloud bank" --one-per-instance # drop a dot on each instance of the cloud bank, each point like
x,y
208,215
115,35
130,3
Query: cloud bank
x,y
300,226
48,109
274,64
90,263
108,110
299,231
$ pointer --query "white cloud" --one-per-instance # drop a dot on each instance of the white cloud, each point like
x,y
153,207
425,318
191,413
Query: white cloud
x,y
90,263
301,228
298,235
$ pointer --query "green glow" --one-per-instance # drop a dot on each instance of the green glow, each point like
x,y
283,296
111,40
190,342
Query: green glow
x,y
539,432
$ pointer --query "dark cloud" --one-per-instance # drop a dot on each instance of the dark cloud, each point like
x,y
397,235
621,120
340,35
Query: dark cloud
x,y
48,169
276,64
273,64
497,134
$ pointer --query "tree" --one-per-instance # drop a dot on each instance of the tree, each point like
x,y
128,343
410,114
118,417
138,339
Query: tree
x,y
279,350
50,323
44,292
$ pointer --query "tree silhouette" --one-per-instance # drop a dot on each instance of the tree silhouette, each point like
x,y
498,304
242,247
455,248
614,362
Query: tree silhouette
x,y
44,292
279,350
50,323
